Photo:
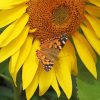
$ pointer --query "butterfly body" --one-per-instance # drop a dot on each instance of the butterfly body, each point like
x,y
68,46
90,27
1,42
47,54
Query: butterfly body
x,y
50,49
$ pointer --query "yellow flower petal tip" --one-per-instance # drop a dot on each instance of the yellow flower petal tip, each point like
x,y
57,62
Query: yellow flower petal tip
x,y
32,30
94,74
48,79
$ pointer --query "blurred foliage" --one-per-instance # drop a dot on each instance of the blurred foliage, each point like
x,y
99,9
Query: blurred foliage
x,y
6,92
88,87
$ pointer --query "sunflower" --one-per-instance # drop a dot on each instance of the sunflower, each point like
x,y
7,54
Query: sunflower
x,y
25,23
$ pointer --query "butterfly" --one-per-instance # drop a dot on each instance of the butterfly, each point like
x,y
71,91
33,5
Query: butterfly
x,y
50,49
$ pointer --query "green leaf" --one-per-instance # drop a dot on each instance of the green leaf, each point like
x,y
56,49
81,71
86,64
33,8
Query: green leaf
x,y
88,87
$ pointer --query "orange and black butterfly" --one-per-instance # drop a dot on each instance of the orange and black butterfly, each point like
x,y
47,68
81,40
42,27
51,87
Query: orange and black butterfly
x,y
50,49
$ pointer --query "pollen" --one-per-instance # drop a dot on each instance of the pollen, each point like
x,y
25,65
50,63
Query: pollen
x,y
55,17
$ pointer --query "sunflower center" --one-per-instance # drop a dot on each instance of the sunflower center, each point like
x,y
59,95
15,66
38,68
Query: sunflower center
x,y
55,17
59,15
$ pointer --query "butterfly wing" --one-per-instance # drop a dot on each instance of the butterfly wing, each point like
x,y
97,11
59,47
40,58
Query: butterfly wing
x,y
50,49
45,62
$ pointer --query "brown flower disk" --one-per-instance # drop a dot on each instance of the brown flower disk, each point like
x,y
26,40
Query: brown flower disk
x,y
42,17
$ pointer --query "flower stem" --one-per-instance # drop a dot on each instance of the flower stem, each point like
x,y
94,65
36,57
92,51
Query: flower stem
x,y
6,78
16,93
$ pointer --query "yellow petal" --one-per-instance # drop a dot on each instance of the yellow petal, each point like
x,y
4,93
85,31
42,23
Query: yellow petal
x,y
63,74
84,54
4,7
95,22
68,52
32,30
16,2
72,56
89,47
95,2
30,66
45,79
54,84
16,31
30,90
24,52
8,16
8,4
13,62
92,38
4,4
6,32
93,10
15,45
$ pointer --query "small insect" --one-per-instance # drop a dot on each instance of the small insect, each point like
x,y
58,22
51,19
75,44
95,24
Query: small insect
x,y
50,49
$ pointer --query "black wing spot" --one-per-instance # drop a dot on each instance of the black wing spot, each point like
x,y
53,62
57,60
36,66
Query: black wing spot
x,y
63,40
